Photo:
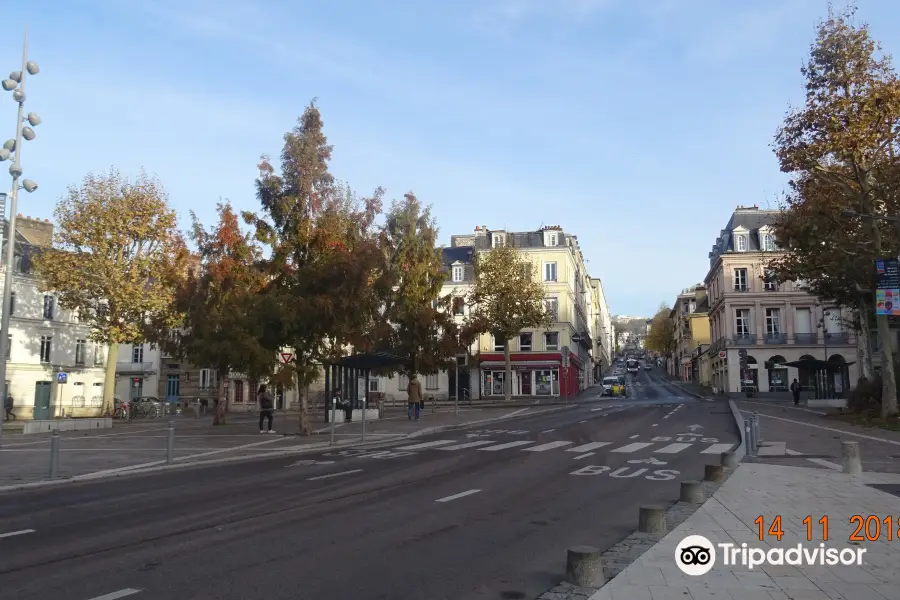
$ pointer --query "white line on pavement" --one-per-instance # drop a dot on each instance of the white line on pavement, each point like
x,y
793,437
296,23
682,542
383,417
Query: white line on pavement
x,y
330,475
859,435
632,447
655,425
548,430
580,422
588,447
673,448
116,595
635,436
583,456
426,445
474,444
547,446
818,461
596,409
507,445
15,533
718,449
455,496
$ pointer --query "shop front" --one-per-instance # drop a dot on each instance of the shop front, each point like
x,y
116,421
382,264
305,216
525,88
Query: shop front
x,y
532,375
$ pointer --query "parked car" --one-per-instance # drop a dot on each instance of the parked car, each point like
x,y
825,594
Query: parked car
x,y
613,386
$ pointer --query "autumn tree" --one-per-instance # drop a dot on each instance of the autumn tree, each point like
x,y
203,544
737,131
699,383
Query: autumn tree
x,y
845,137
661,338
115,260
418,323
221,306
324,263
506,299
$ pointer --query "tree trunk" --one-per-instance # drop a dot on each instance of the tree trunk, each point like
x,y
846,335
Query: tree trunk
x,y
303,425
864,342
507,378
221,401
109,380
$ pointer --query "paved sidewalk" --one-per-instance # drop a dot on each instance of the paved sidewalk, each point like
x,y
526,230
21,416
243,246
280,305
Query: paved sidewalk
x,y
142,444
793,493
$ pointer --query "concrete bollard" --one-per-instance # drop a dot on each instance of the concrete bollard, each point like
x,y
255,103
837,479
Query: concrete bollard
x,y
714,473
652,519
754,425
729,460
170,444
850,459
584,567
692,492
751,444
54,454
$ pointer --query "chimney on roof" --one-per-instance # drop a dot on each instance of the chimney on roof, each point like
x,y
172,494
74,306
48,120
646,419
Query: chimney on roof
x,y
36,231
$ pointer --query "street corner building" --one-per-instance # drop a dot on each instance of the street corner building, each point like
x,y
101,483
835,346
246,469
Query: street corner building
x,y
763,333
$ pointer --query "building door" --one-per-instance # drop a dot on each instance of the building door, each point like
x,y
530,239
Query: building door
x,y
42,390
465,383
543,384
525,385
137,388
173,387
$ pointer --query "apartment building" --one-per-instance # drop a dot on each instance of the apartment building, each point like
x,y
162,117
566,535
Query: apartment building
x,y
137,371
775,323
53,368
692,333
602,330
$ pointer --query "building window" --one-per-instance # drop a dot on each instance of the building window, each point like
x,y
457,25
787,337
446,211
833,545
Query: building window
x,y
551,340
12,304
431,382
373,384
740,243
459,305
46,345
498,239
137,353
173,386
80,351
552,239
525,342
8,346
770,282
206,379
768,242
97,395
457,273
49,305
742,321
550,271
740,280
98,355
773,321
498,345
238,391
551,305
402,382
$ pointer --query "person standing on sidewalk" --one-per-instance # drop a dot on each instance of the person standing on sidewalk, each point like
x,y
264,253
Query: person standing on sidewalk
x,y
266,408
414,391
8,408
795,390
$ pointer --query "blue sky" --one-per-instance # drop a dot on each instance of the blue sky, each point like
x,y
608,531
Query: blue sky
x,y
637,125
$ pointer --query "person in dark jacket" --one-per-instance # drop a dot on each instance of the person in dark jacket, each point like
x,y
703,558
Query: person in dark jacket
x,y
8,408
795,390
266,408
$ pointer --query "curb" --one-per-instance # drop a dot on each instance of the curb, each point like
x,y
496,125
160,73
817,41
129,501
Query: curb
x,y
741,450
311,448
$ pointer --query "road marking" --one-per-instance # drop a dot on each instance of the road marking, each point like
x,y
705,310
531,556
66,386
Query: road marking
x,y
844,431
330,475
547,446
596,409
818,461
718,449
507,445
772,449
116,595
455,496
426,445
632,447
548,430
634,437
588,447
14,533
580,422
673,448
655,425
467,445
583,456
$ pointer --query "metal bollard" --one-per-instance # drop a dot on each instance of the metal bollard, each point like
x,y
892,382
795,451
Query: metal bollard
x,y
333,415
754,423
170,444
54,454
748,430
364,419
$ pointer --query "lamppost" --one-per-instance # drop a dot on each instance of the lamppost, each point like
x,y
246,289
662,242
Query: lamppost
x,y
13,148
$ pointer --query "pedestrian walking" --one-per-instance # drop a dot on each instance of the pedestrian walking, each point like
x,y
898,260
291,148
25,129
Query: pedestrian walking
x,y
795,390
8,408
414,391
266,408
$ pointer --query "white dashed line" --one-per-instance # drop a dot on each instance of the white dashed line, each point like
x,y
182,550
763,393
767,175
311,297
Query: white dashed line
x,y
15,533
583,456
548,430
330,475
819,461
634,437
116,595
588,447
456,496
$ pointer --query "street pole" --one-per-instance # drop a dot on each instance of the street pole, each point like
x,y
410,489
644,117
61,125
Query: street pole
x,y
16,85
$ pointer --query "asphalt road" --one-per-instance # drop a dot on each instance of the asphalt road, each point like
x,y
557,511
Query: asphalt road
x,y
489,520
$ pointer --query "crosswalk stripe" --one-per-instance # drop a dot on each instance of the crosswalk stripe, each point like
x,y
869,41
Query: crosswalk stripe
x,y
632,447
507,445
717,449
547,446
588,447
468,445
426,445
673,448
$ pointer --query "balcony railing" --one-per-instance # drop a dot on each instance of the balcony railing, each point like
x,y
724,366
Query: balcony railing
x,y
744,340
133,367
840,337
776,338
806,338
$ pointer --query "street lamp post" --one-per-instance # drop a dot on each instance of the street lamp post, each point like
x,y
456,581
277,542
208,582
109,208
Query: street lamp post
x,y
13,148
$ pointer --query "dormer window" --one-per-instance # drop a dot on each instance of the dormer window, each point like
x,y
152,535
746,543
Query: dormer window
x,y
551,238
498,239
768,242
457,273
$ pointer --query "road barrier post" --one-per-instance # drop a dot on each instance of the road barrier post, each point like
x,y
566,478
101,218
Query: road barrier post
x,y
748,430
652,519
850,459
54,454
333,415
364,418
170,444
692,492
714,473
584,567
754,423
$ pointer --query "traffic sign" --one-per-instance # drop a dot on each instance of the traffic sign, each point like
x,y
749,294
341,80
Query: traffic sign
x,y
62,378
286,357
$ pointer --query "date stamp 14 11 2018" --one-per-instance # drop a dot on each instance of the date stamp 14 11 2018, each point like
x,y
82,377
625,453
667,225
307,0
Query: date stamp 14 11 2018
x,y
866,528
